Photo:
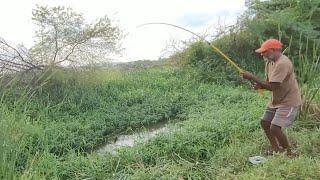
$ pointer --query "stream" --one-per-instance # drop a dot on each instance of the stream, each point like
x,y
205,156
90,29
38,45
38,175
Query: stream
x,y
130,140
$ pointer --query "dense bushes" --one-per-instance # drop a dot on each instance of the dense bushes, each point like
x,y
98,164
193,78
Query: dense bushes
x,y
294,22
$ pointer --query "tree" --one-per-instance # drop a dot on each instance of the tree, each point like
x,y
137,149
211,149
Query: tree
x,y
292,21
62,38
16,58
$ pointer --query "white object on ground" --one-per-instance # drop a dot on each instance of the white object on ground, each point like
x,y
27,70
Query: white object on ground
x,y
257,159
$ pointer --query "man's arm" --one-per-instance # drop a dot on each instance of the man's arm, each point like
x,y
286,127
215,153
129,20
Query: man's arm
x,y
263,84
266,85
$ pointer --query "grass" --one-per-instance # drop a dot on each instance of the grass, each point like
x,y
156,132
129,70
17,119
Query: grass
x,y
213,143
47,136
307,68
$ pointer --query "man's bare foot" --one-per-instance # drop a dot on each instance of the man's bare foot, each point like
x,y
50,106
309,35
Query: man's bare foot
x,y
271,152
292,154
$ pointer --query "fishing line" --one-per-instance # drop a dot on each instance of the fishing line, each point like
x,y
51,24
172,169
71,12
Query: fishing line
x,y
225,57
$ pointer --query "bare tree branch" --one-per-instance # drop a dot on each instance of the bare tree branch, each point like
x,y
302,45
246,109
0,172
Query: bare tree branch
x,y
15,58
13,63
56,45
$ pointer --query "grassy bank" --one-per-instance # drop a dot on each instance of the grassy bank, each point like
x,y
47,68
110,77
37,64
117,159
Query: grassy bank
x,y
47,136
215,141
75,112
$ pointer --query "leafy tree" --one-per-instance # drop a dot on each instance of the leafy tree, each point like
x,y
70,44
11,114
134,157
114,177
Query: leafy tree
x,y
292,21
62,38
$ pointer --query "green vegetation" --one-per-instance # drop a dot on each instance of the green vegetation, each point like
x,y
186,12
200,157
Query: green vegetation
x,y
50,128
47,136
294,22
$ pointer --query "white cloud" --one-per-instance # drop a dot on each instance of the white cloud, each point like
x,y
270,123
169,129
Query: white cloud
x,y
141,43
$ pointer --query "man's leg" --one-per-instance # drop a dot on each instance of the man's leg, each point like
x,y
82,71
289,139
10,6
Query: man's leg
x,y
281,137
284,117
271,137
266,119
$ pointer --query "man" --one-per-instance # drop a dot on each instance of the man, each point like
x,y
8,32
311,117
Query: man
x,y
285,100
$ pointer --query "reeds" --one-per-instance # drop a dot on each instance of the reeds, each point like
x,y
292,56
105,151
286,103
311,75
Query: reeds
x,y
308,71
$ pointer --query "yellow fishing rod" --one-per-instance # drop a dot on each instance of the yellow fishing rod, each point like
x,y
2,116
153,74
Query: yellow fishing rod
x,y
225,57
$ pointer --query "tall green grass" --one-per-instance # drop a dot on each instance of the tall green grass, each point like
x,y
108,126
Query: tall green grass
x,y
47,132
18,137
213,143
308,69
74,112
220,133
216,118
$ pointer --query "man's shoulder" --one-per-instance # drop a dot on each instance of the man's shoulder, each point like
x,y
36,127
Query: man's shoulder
x,y
284,60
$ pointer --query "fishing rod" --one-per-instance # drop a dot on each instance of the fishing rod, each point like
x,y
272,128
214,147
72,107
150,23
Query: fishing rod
x,y
226,58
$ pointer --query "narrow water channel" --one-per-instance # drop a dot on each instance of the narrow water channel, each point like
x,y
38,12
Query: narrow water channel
x,y
131,139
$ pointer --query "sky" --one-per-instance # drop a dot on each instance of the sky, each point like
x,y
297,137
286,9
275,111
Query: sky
x,y
147,42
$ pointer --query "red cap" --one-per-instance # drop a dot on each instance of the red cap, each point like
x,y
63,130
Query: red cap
x,y
269,44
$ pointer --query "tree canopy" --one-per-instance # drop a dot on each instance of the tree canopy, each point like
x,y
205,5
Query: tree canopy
x,y
63,37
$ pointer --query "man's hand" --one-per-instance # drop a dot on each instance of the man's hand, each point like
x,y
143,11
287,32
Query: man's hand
x,y
255,85
247,75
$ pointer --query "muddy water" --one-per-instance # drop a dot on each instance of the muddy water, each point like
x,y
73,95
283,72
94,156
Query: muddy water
x,y
131,139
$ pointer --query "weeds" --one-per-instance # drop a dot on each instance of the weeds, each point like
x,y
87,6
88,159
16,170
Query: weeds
x,y
47,136
308,69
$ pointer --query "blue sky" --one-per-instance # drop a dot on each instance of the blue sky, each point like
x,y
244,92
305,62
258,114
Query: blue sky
x,y
200,19
141,43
